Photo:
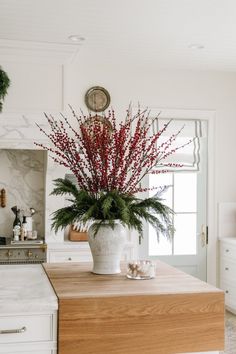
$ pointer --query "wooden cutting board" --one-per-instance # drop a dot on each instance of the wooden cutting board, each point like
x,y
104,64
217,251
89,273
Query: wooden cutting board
x,y
106,314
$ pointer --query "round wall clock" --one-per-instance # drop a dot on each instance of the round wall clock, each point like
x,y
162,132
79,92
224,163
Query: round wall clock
x,y
97,99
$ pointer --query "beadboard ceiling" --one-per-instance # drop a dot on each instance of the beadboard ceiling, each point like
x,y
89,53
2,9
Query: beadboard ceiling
x,y
154,33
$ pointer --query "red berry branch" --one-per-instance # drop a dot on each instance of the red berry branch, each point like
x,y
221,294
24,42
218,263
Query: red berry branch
x,y
105,155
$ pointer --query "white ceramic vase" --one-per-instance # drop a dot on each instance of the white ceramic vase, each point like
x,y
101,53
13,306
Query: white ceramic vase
x,y
106,247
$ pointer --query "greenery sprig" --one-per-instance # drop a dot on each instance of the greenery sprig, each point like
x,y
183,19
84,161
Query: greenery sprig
x,y
4,85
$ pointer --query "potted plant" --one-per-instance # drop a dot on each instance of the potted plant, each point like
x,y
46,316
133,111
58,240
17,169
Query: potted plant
x,y
4,85
109,160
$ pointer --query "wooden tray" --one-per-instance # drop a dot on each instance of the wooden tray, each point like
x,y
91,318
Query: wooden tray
x,y
77,236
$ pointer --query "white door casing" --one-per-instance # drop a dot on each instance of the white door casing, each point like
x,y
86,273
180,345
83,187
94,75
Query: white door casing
x,y
209,117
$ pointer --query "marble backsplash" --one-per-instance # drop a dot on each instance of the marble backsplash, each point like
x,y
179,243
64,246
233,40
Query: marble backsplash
x,y
22,175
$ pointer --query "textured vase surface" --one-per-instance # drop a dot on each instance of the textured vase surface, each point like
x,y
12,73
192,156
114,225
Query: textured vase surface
x,y
106,247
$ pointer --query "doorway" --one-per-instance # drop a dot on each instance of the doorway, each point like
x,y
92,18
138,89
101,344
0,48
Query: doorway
x,y
187,196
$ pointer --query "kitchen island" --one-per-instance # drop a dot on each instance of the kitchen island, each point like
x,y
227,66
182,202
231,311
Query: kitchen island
x,y
28,311
110,314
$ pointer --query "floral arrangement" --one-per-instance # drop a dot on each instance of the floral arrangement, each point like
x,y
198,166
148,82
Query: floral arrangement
x,y
109,160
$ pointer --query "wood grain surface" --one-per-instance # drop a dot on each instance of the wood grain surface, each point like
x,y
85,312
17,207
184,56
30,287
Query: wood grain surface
x,y
173,313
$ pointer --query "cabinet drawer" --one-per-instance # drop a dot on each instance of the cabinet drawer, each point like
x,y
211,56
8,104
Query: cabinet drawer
x,y
228,250
68,256
227,269
33,328
230,293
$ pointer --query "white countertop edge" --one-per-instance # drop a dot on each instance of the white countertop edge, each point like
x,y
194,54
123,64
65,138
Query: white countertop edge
x,y
25,288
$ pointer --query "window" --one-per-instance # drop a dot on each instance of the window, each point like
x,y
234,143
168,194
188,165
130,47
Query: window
x,y
181,196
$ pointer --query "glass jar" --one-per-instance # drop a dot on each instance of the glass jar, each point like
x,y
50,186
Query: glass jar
x,y
141,269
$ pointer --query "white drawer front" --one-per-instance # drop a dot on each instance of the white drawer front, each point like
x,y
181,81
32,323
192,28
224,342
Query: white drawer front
x,y
33,328
59,256
227,270
230,293
228,250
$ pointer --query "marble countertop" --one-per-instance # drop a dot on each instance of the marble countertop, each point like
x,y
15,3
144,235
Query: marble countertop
x,y
25,288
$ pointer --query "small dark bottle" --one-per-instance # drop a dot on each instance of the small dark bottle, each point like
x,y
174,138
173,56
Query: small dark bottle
x,y
17,221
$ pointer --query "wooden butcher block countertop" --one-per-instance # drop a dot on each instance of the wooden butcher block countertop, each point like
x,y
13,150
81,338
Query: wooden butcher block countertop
x,y
106,314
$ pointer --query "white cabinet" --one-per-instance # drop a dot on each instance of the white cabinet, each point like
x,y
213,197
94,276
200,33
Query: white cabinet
x,y
228,271
68,256
28,311
28,333
69,252
32,328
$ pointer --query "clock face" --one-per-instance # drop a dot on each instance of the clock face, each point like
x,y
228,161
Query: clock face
x,y
97,99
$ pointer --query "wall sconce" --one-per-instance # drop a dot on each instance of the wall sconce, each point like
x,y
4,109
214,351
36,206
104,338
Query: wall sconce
x,y
3,199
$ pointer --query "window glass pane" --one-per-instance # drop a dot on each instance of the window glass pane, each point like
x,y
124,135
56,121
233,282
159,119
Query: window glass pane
x,y
161,248
162,179
185,192
185,234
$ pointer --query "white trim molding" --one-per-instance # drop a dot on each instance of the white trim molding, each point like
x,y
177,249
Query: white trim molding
x,y
13,50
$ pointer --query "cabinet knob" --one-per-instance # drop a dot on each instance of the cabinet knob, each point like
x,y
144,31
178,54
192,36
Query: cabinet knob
x,y
226,250
9,253
227,291
29,254
69,259
226,268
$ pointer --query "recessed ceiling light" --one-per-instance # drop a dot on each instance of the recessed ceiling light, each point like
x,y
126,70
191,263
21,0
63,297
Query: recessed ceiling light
x,y
76,38
196,46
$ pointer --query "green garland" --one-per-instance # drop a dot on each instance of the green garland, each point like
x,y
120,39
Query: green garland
x,y
4,84
110,206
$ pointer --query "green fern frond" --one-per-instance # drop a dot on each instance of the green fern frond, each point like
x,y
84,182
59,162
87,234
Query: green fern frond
x,y
91,213
4,85
106,204
63,217
64,186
